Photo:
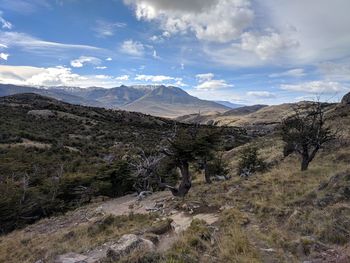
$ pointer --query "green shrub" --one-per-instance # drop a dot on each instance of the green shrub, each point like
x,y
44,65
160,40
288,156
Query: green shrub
x,y
250,162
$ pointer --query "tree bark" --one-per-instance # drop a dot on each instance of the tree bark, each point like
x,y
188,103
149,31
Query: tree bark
x,y
185,184
305,163
206,173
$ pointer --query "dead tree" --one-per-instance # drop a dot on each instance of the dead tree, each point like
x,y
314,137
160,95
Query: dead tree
x,y
145,169
305,132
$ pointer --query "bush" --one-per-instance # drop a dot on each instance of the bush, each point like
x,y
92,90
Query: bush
x,y
250,162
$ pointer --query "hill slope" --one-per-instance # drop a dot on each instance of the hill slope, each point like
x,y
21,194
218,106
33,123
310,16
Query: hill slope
x,y
277,215
68,154
155,100
172,102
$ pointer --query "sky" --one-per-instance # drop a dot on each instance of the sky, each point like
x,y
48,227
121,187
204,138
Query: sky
x,y
243,51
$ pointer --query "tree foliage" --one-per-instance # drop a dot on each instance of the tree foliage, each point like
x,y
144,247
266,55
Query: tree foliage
x,y
250,162
306,132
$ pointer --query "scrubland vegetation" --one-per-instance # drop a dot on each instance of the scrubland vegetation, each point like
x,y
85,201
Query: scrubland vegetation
x,y
268,209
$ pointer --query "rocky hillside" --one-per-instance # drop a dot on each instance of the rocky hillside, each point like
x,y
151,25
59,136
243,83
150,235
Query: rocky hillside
x,y
278,214
59,156
155,100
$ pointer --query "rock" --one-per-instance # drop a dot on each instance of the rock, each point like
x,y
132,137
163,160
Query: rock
x,y
337,189
143,195
346,99
41,113
126,245
270,250
161,227
220,178
71,258
152,237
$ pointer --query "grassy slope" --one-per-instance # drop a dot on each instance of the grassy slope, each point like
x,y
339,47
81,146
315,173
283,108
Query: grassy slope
x,y
271,210
260,214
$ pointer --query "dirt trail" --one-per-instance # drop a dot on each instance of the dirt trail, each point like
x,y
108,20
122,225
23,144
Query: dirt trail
x,y
129,204
157,202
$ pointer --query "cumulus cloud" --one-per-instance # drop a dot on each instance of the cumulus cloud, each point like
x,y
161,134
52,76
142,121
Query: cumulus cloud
x,y
204,77
123,78
133,48
213,84
266,46
109,59
218,21
315,87
107,29
321,28
100,67
296,73
206,82
162,79
4,56
261,94
54,76
4,23
83,60
155,78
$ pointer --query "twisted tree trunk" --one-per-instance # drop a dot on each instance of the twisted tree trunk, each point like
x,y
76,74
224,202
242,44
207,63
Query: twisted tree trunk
x,y
185,184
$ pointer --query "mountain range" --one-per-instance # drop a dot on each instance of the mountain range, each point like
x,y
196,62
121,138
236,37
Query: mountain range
x,y
157,100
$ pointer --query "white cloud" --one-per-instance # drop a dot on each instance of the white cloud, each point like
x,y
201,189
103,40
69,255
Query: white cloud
x,y
4,56
3,46
204,77
180,83
83,60
266,46
221,94
53,76
4,23
26,6
296,73
32,44
107,29
155,55
100,67
261,94
109,59
213,84
217,21
155,78
208,83
321,27
335,71
133,48
315,87
123,78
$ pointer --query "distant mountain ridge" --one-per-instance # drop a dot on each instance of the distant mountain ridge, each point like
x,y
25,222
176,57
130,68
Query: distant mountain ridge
x,y
157,100
229,104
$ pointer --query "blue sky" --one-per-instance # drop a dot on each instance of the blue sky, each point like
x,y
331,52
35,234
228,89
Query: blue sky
x,y
245,51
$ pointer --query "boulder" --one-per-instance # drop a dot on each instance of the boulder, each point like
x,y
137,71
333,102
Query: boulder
x,y
346,99
127,244
71,258
161,227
